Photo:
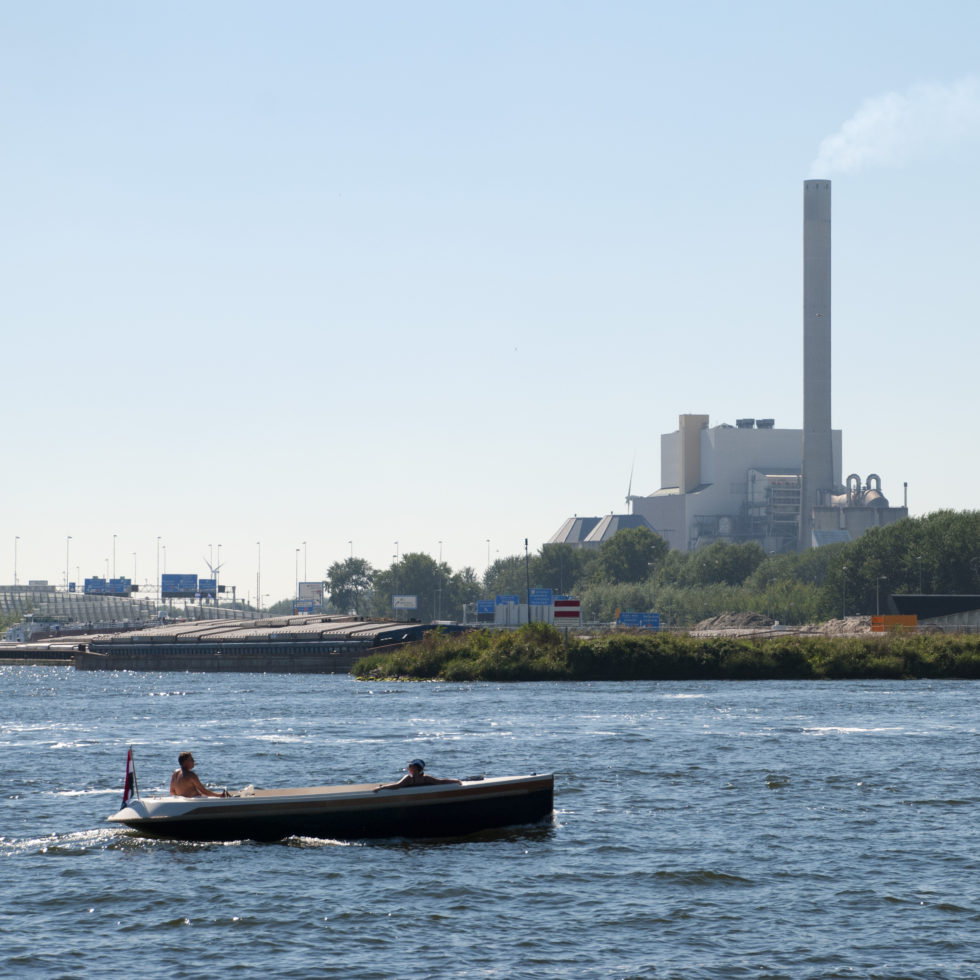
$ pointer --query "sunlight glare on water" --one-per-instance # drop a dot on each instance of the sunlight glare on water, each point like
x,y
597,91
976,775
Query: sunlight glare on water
x,y
799,830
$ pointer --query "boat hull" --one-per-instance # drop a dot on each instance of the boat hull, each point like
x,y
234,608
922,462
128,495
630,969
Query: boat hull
x,y
346,812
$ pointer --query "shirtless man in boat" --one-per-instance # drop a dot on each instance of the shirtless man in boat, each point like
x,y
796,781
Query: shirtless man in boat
x,y
417,777
184,781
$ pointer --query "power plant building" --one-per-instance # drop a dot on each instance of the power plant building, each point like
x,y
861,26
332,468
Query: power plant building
x,y
753,482
743,482
729,482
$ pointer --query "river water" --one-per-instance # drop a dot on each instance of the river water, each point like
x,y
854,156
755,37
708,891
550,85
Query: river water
x,y
702,830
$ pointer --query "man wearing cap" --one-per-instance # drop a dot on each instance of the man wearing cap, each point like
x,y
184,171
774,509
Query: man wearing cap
x,y
416,777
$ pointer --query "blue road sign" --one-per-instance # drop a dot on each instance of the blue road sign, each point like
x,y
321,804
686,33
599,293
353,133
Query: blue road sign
x,y
178,586
648,621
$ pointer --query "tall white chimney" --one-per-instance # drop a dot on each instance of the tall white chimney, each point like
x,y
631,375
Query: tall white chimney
x,y
817,452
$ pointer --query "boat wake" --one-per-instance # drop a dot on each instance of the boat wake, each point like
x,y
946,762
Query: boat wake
x,y
70,845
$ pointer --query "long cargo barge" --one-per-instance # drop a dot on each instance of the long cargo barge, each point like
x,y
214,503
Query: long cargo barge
x,y
37,654
272,658
317,644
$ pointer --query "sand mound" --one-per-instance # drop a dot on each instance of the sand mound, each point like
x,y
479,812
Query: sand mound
x,y
749,622
735,621
853,624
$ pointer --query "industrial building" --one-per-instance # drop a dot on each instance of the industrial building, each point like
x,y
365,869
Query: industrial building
x,y
752,481
590,532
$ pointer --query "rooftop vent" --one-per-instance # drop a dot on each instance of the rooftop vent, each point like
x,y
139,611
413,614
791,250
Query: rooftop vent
x,y
745,423
765,423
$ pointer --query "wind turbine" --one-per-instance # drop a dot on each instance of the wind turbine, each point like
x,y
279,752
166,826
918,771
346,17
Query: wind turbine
x,y
214,569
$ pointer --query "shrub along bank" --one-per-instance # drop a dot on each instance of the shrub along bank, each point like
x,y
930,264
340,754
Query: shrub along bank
x,y
541,652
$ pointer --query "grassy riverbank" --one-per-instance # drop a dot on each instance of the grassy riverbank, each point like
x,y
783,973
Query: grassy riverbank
x,y
539,652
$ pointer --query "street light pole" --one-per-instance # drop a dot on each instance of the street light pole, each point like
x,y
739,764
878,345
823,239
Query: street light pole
x,y
394,577
159,586
527,578
67,559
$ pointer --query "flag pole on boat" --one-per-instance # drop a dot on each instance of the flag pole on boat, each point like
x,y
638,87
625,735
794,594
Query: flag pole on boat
x,y
130,787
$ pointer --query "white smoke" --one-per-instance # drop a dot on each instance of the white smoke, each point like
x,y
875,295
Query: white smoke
x,y
893,128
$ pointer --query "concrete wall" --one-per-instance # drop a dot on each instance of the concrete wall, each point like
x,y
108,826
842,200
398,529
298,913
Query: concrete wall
x,y
968,621
726,454
666,512
729,454
691,429
856,520
670,457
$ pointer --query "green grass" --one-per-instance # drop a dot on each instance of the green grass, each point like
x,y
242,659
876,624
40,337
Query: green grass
x,y
540,652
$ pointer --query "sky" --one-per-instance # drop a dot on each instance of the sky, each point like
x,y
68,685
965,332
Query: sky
x,y
282,283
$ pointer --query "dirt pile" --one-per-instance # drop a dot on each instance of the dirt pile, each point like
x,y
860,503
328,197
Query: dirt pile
x,y
837,627
735,621
745,623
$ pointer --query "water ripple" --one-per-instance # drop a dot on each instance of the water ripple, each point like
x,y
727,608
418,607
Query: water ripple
x,y
701,831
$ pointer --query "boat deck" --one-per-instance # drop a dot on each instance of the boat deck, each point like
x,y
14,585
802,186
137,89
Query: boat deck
x,y
346,811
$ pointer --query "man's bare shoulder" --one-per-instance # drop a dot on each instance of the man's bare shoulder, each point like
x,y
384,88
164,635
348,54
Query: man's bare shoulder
x,y
186,784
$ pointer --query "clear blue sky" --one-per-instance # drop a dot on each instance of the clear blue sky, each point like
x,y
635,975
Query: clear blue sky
x,y
384,272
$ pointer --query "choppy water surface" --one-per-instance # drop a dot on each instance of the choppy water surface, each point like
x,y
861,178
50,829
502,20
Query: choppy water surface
x,y
701,830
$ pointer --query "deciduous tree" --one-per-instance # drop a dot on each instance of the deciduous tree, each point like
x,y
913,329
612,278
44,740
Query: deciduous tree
x,y
349,584
629,556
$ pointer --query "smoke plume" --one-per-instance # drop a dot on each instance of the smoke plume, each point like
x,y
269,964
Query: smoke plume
x,y
890,129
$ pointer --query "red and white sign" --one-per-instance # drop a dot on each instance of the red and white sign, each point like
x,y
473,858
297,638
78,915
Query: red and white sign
x,y
568,611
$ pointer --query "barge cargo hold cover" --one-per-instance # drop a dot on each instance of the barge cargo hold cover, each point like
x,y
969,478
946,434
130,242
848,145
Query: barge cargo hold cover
x,y
318,644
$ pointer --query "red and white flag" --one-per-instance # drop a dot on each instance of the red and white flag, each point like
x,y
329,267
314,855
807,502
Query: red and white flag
x,y
131,789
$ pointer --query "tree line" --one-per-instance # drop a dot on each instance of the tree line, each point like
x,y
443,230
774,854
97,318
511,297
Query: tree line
x,y
635,571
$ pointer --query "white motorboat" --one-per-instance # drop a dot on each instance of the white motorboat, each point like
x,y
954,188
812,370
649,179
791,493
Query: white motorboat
x,y
344,812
